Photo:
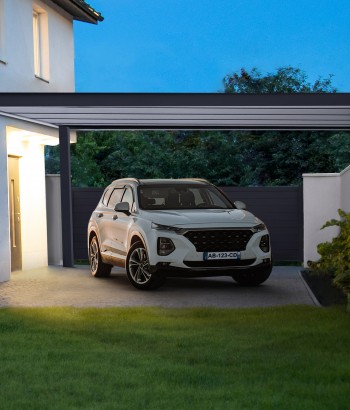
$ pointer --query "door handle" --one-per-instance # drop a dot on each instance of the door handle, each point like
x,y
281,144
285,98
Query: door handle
x,y
100,215
115,217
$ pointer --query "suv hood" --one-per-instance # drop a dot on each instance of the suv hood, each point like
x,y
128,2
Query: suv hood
x,y
192,217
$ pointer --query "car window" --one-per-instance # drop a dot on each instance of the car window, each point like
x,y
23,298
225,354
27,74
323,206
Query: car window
x,y
106,196
128,197
115,197
217,200
182,197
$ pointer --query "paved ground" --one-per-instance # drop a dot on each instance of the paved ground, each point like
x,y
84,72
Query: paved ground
x,y
56,286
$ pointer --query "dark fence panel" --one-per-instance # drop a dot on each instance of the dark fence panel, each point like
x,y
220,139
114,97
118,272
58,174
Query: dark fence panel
x,y
84,202
281,208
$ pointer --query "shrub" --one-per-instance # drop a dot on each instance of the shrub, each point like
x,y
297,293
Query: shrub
x,y
335,255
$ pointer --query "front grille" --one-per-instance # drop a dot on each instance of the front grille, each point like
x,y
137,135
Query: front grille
x,y
220,263
219,240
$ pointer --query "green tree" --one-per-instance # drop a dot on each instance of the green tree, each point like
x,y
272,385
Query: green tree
x,y
286,80
280,158
174,154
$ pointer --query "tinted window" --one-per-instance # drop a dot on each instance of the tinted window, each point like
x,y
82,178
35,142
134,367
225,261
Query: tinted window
x,y
128,197
106,196
182,197
115,197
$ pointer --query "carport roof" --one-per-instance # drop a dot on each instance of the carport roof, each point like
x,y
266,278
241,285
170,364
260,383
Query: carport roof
x,y
186,111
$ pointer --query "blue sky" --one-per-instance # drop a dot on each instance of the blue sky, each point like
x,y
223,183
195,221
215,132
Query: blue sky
x,y
190,45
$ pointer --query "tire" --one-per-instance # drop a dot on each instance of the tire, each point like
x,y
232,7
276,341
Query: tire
x,y
137,269
251,278
98,268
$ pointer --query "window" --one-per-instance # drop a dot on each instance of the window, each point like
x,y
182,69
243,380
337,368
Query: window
x,y
106,196
128,197
115,197
182,197
40,44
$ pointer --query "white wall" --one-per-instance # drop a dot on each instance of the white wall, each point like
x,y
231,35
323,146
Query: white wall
x,y
25,140
324,194
33,206
54,225
5,255
345,189
16,48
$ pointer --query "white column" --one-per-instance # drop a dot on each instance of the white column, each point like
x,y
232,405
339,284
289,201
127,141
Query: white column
x,y
322,199
54,219
5,252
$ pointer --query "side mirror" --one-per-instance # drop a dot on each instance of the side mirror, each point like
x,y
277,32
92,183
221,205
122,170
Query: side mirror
x,y
240,205
122,207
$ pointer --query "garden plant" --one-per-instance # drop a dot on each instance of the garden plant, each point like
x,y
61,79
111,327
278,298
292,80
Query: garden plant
x,y
335,255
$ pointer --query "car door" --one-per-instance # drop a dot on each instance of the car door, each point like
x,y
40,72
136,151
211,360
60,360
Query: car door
x,y
123,223
107,222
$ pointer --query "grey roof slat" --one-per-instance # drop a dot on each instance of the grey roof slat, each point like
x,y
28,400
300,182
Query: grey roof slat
x,y
190,118
181,110
199,122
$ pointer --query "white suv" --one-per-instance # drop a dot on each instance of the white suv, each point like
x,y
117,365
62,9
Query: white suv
x,y
185,227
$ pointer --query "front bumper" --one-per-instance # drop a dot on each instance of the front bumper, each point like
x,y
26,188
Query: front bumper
x,y
187,259
205,271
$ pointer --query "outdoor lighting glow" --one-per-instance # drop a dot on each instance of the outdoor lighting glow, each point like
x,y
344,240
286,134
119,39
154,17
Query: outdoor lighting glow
x,y
20,135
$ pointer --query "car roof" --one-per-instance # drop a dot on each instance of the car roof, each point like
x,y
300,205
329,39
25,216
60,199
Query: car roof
x,y
196,181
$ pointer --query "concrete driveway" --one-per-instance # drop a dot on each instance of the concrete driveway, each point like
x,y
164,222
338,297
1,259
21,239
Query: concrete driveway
x,y
57,286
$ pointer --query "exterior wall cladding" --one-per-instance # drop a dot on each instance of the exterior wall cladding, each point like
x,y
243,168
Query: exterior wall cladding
x,y
17,48
281,208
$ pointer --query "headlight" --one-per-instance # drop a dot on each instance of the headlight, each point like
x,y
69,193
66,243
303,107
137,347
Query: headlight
x,y
165,246
259,228
160,227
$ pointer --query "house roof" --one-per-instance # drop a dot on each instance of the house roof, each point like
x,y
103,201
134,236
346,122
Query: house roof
x,y
80,10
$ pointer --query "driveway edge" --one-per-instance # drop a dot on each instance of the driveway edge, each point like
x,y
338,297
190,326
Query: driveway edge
x,y
311,294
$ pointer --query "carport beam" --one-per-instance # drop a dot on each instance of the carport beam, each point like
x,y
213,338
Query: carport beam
x,y
66,198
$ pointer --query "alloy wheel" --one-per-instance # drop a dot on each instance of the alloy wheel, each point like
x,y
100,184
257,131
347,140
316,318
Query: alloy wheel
x,y
139,266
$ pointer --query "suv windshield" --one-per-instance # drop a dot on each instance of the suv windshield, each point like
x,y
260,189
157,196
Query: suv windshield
x,y
161,197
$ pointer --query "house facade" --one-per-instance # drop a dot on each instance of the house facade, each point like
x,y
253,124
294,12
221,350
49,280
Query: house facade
x,y
36,55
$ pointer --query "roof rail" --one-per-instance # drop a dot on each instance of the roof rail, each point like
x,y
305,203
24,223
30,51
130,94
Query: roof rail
x,y
199,180
128,180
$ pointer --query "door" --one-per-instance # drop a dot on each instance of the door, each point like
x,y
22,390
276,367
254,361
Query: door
x,y
15,214
105,221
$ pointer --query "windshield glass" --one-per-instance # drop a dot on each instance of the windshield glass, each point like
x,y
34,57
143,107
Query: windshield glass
x,y
161,197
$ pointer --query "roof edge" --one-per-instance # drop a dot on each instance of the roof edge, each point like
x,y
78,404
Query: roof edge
x,y
174,99
80,10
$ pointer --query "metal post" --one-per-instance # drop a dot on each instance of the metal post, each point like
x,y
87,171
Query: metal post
x,y
66,198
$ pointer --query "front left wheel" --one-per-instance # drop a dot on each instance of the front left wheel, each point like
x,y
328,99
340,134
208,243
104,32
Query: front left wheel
x,y
138,269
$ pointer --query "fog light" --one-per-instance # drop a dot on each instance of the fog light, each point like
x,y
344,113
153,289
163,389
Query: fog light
x,y
265,243
165,246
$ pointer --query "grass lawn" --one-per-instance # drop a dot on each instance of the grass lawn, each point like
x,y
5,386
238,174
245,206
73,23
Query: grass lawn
x,y
293,357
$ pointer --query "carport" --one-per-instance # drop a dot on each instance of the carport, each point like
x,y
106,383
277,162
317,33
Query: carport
x,y
72,112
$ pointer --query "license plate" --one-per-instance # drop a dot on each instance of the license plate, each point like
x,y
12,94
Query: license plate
x,y
221,255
